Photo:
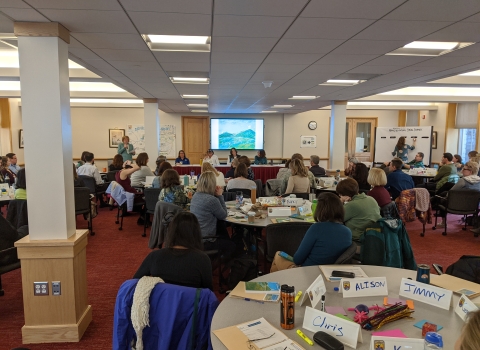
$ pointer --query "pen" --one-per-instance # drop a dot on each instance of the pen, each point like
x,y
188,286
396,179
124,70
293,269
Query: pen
x,y
323,303
257,301
304,337
299,294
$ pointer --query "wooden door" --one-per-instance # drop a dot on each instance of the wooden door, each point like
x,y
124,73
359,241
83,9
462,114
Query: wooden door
x,y
360,139
196,137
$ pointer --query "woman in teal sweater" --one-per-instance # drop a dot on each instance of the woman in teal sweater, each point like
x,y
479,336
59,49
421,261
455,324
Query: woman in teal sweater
x,y
260,158
125,149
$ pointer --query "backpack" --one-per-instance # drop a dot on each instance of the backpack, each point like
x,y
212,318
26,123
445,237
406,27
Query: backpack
x,y
243,268
467,268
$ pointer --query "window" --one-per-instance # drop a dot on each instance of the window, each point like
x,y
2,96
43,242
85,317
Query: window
x,y
466,142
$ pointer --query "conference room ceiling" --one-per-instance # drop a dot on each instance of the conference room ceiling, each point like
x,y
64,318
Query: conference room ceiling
x,y
296,44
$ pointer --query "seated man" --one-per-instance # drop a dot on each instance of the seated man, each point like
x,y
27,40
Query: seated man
x,y
446,176
397,180
315,168
416,163
13,163
88,169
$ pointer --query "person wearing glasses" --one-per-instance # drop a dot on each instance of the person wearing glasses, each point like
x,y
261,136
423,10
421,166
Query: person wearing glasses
x,y
211,158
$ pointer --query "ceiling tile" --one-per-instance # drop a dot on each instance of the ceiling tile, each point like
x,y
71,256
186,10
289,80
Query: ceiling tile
x,y
326,28
134,65
230,75
250,26
369,47
172,23
346,59
400,30
463,31
371,9
110,41
291,58
92,21
259,8
186,66
306,45
276,77
13,3
180,6
433,10
126,55
84,54
395,60
6,25
107,5
24,15
238,44
286,68
180,57
227,57
238,67
99,64
373,69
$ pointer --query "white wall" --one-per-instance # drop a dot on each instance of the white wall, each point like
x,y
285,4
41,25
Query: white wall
x,y
437,119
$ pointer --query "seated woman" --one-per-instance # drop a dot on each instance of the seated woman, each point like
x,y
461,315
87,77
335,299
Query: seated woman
x,y
350,170
144,171
182,158
470,337
377,179
211,158
299,181
325,240
220,178
123,179
360,209
181,261
260,158
5,171
117,163
240,180
82,159
457,161
159,161
360,175
161,169
245,160
283,171
21,185
233,155
171,191
230,174
209,207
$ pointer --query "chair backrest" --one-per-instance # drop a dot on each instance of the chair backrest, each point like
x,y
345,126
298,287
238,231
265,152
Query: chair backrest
x,y
229,196
285,237
151,198
109,161
246,192
17,213
389,211
273,187
259,187
298,195
89,182
111,175
463,201
82,200
159,229
347,255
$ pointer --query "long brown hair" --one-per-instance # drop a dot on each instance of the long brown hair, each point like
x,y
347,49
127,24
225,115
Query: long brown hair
x,y
298,168
206,166
329,208
401,142
170,178
117,161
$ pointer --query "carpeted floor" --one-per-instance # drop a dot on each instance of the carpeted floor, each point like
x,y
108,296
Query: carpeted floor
x,y
113,257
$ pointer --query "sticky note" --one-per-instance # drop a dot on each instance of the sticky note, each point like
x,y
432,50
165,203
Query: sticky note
x,y
410,304
396,333
420,324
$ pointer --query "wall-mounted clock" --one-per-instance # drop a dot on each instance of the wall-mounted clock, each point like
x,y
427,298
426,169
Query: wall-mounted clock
x,y
312,125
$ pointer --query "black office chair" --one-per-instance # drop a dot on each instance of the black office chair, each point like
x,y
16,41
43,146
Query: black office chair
x,y
347,255
111,175
459,202
246,192
91,184
229,196
151,199
83,205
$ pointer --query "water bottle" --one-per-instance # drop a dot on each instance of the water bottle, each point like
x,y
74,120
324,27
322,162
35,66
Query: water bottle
x,y
7,179
185,180
314,206
433,341
337,176
238,199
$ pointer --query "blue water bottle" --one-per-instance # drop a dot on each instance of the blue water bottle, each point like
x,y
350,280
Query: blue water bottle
x,y
238,199
433,341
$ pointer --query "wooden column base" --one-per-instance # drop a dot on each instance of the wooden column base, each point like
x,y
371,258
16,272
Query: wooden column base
x,y
55,318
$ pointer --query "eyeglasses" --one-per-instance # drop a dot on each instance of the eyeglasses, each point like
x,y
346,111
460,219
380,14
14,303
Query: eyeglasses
x,y
252,346
467,169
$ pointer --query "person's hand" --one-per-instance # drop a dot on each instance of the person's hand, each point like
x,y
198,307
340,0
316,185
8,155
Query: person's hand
x,y
345,199
386,163
135,167
218,190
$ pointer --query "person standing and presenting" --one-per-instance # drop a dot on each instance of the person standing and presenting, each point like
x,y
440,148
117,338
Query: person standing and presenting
x,y
401,149
125,149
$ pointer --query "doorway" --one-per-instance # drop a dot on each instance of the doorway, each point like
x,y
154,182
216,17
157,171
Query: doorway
x,y
360,139
196,137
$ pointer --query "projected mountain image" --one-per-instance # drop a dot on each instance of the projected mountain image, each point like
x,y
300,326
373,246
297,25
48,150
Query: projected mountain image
x,y
245,139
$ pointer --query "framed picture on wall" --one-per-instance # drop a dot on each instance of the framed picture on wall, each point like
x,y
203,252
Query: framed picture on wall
x,y
434,140
20,138
115,137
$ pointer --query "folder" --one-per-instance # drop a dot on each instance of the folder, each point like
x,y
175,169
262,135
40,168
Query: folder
x,y
456,285
240,293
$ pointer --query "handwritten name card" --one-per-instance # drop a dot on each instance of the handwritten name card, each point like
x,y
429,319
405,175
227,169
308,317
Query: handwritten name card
x,y
389,343
464,306
348,332
425,293
361,287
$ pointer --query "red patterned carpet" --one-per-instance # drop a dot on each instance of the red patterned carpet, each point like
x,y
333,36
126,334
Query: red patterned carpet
x,y
113,257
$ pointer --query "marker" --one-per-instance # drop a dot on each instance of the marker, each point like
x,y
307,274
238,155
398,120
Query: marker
x,y
299,294
304,337
257,301
323,303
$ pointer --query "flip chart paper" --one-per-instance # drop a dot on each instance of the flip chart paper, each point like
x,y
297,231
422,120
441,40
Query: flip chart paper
x,y
425,293
361,287
389,343
315,291
464,306
348,332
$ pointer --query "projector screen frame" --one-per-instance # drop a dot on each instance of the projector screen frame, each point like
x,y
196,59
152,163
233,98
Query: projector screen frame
x,y
238,148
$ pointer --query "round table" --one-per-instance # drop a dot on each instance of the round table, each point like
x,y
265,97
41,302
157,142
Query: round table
x,y
233,311
262,172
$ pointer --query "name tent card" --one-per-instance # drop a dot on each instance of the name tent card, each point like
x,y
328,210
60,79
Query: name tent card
x,y
389,343
346,331
464,306
362,287
315,291
426,293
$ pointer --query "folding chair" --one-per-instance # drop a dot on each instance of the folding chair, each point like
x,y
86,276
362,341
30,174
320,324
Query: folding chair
x,y
83,205
151,199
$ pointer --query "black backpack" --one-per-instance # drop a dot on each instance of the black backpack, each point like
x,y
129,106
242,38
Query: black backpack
x,y
243,268
467,268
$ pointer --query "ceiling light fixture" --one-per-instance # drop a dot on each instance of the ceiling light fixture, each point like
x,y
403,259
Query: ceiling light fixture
x,y
182,80
429,48
475,73
282,106
199,111
197,105
269,112
177,43
267,84
435,91
196,96
303,97
342,82
105,100
366,103
74,86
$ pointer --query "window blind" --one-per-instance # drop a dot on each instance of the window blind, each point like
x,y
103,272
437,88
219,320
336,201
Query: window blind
x,y
467,116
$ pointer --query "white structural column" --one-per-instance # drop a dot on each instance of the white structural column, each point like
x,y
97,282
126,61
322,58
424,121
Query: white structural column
x,y
152,129
338,121
47,129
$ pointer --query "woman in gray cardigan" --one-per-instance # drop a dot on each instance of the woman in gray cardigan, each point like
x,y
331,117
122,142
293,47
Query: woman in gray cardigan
x,y
140,176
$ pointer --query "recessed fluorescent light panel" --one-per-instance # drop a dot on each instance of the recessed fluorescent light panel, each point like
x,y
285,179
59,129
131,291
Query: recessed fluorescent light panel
x,y
199,111
269,112
177,43
196,97
282,106
435,91
475,73
74,86
105,100
303,97
198,105
342,82
183,80
429,48
366,103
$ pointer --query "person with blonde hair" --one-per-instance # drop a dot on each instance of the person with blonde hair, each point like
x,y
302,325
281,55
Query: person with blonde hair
x,y
377,179
288,173
299,181
470,337
220,178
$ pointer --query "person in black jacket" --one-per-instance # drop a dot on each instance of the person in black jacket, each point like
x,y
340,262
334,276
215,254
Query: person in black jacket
x,y
316,169
8,237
